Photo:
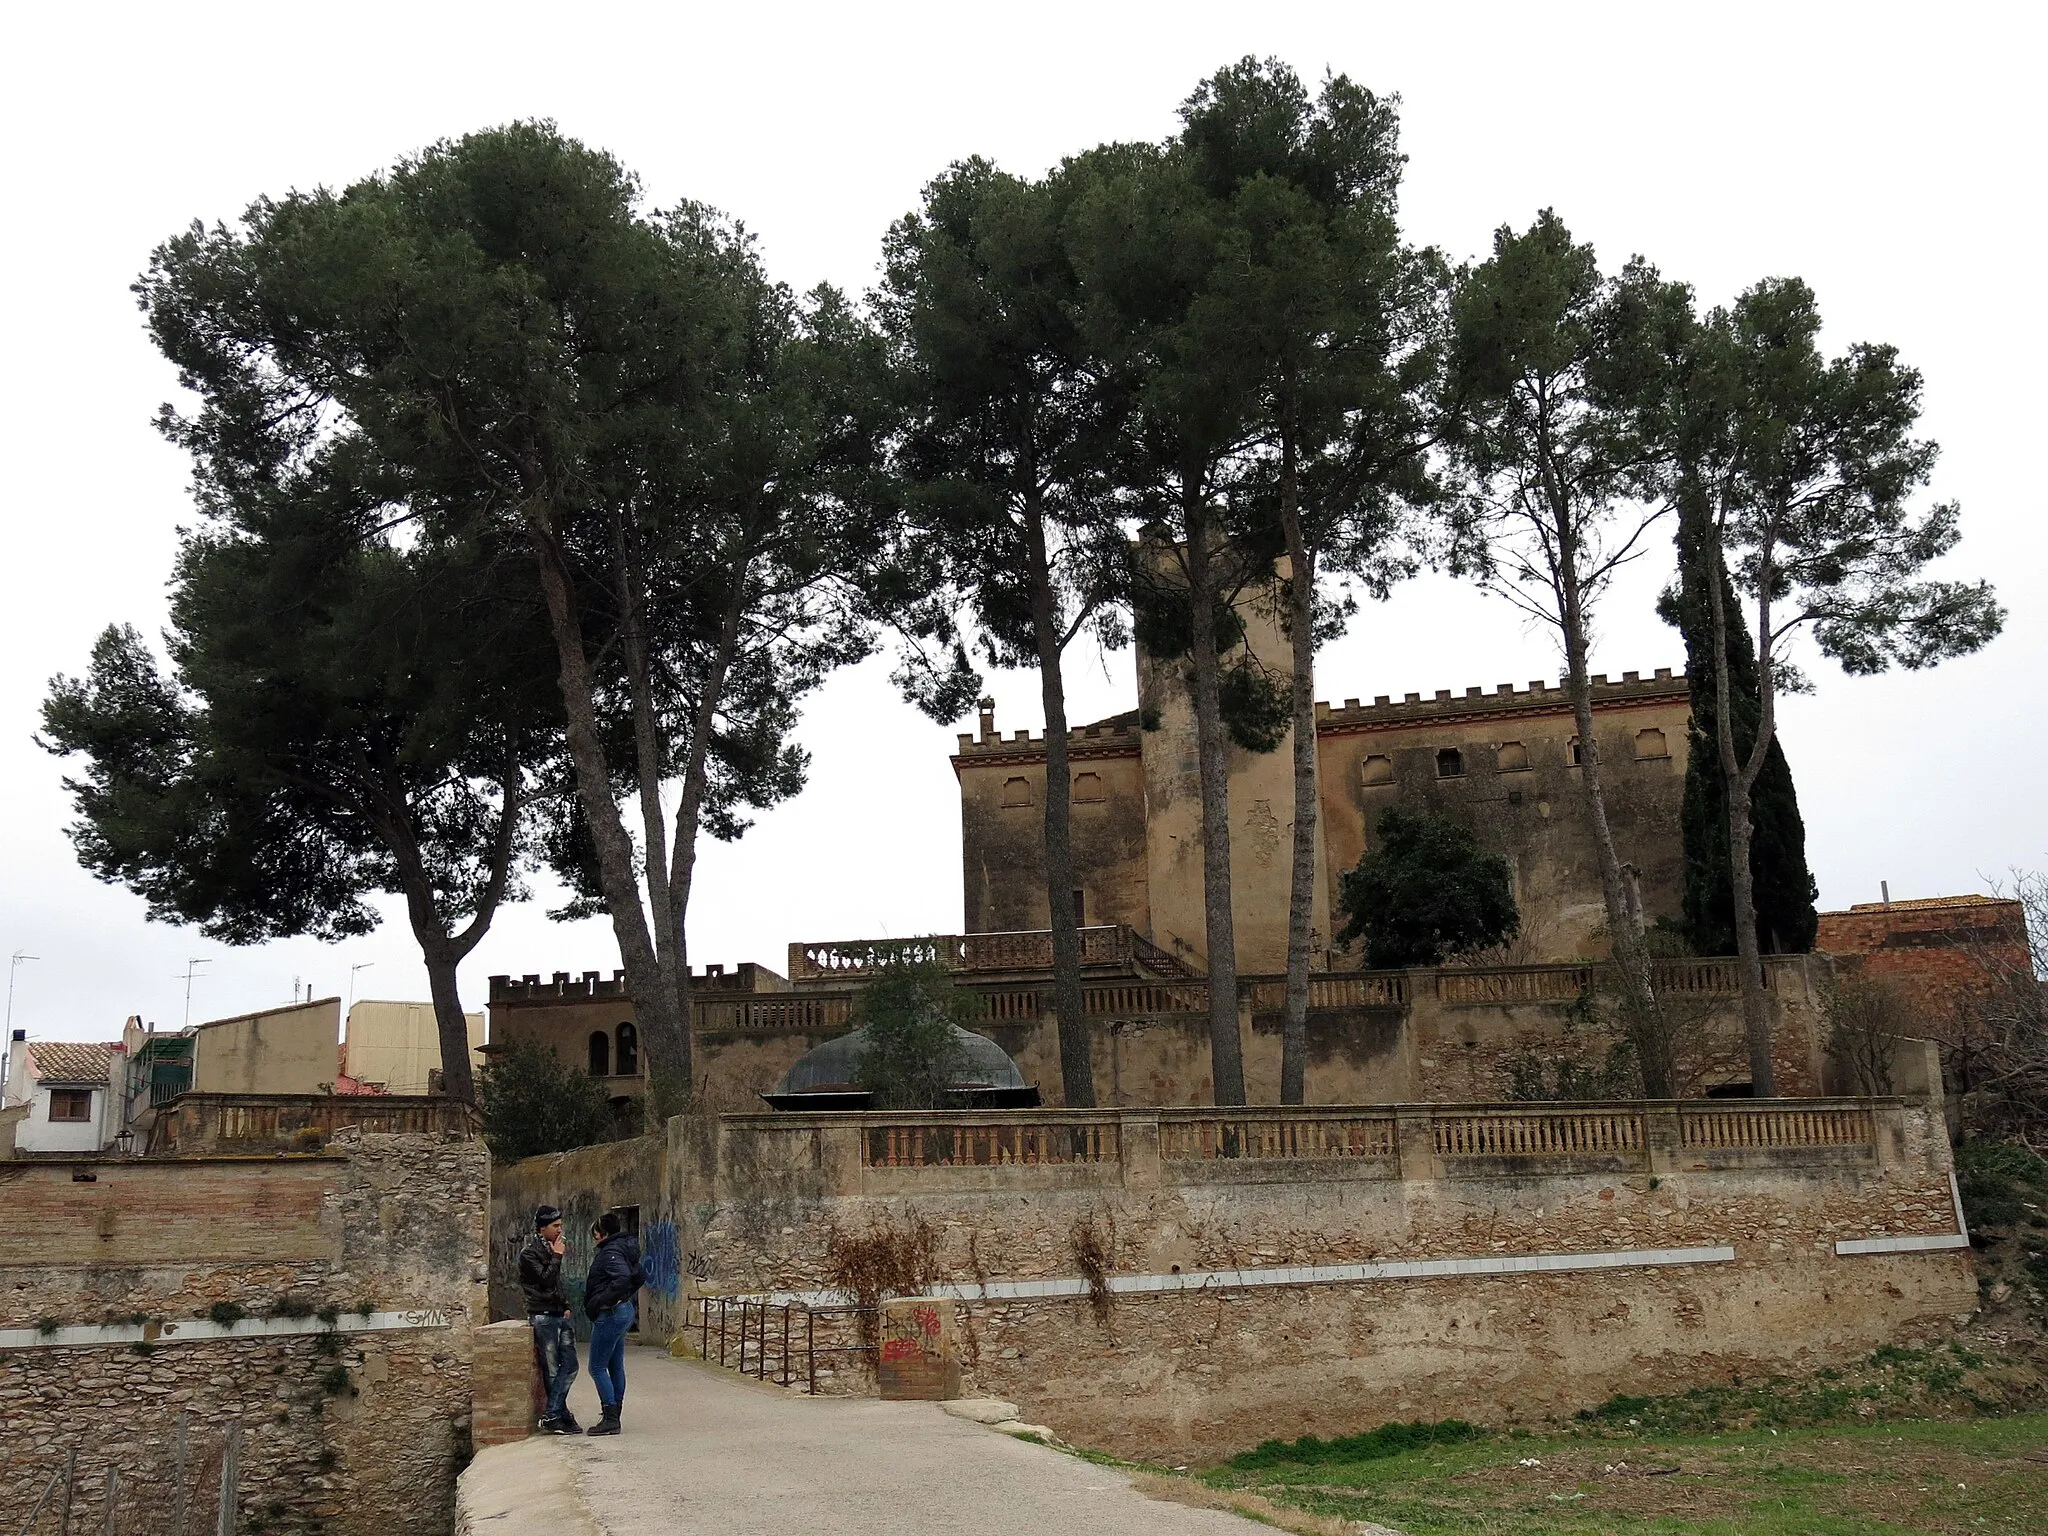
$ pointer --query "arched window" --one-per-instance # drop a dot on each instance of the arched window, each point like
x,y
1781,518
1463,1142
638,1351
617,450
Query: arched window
x,y
1514,757
1450,763
1377,770
1651,743
1578,753
600,1054
629,1050
1016,792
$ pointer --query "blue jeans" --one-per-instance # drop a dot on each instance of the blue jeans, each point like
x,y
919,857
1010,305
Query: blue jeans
x,y
554,1341
608,1353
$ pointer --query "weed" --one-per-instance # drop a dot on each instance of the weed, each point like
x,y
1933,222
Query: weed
x,y
1373,1445
46,1327
289,1305
225,1313
334,1380
329,1314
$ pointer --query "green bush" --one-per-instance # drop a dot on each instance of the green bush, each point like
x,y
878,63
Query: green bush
x,y
1373,1445
1426,892
533,1103
1999,1180
906,1015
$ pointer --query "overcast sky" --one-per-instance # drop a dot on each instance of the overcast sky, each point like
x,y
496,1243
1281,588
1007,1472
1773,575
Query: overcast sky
x,y
1890,155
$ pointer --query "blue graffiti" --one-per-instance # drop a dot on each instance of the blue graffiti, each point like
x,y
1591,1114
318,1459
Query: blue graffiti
x,y
662,1258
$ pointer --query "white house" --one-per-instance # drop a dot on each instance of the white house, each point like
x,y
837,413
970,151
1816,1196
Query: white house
x,y
70,1091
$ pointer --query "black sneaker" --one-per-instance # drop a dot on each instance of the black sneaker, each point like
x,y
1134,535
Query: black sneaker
x,y
569,1424
558,1426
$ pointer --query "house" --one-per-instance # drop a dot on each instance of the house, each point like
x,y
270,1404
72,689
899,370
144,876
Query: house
x,y
68,1092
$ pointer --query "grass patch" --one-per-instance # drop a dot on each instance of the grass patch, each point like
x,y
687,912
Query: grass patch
x,y
1387,1440
1897,1478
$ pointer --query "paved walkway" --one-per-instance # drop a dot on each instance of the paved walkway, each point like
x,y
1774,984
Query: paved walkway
x,y
707,1452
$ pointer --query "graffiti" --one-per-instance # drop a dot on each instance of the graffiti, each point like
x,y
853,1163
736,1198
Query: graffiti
x,y
699,1266
661,1257
894,1350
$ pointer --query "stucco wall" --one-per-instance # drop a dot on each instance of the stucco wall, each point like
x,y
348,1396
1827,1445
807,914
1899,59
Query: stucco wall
x,y
277,1050
399,1044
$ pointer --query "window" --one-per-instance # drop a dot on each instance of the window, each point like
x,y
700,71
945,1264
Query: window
x,y
1578,756
1450,764
71,1105
1080,909
600,1054
1378,770
1016,792
1514,757
629,1050
1650,743
1087,788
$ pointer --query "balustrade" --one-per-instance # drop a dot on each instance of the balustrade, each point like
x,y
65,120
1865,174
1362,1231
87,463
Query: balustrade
x,y
1199,1136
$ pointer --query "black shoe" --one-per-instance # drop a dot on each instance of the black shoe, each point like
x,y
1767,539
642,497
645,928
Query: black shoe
x,y
553,1425
568,1422
606,1425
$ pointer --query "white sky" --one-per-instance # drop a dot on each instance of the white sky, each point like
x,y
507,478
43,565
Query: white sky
x,y
1891,155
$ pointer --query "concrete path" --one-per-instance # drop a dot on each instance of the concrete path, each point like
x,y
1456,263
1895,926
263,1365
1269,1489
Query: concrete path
x,y
707,1452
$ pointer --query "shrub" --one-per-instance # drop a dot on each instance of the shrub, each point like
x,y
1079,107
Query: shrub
x,y
1373,1445
1426,892
225,1313
533,1103
906,1015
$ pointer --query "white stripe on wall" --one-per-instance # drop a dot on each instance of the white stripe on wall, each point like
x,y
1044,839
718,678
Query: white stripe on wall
x,y
1917,1244
197,1330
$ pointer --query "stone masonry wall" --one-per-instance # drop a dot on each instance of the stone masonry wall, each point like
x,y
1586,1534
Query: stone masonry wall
x,y
1206,1372
357,1422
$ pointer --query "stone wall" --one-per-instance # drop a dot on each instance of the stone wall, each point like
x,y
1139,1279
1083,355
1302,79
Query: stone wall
x,y
319,1305
1348,1268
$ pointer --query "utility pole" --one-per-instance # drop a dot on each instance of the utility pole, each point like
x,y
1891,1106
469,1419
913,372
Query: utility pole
x,y
190,967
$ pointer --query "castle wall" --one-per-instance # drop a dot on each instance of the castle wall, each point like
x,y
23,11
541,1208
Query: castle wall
x,y
1520,793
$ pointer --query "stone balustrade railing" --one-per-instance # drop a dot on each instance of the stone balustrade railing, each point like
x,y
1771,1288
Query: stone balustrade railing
x,y
1403,1141
1103,945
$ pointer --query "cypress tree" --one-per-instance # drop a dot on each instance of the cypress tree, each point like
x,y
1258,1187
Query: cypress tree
x,y
1785,890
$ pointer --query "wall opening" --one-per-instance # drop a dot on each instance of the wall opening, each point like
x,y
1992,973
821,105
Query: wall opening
x,y
629,1050
1577,753
1650,743
1377,770
1514,757
1016,792
600,1054
1080,909
1087,788
1450,763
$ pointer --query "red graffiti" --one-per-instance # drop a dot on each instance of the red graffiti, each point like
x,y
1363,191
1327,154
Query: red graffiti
x,y
894,1350
927,1320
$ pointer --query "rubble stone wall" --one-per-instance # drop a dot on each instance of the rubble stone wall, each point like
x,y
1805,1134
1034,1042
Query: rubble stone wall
x,y
149,1291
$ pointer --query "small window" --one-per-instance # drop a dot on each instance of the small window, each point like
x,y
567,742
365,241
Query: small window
x,y
1080,909
1450,764
629,1050
1087,788
1650,743
1378,770
600,1054
1578,756
71,1105
1514,757
1016,792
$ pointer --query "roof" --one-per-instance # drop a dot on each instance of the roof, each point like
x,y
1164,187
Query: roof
x,y
70,1061
1930,903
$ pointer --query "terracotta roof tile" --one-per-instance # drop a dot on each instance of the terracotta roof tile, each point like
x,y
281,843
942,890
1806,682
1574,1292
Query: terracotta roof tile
x,y
70,1061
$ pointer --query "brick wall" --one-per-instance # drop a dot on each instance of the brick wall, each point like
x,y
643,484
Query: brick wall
x,y
505,1387
356,1420
1939,952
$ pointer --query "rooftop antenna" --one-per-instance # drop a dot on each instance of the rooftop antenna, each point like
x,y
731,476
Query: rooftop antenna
x,y
190,967
15,962
352,984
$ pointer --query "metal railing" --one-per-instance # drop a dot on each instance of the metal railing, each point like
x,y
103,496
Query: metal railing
x,y
768,1340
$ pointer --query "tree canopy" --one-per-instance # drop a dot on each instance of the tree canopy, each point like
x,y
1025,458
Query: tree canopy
x,y
1426,891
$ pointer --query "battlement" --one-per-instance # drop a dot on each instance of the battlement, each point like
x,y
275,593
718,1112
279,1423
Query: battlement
x,y
1539,697
1118,736
747,976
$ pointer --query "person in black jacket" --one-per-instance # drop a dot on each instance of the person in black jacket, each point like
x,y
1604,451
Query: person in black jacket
x,y
614,1281
554,1327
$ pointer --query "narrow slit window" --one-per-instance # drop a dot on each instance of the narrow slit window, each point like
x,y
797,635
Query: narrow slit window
x,y
600,1054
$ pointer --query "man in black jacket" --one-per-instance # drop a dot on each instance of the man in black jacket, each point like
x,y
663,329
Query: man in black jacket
x,y
547,1308
615,1279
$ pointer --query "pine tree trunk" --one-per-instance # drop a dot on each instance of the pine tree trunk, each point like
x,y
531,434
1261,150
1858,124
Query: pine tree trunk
x,y
1642,1019
1225,1048
1738,777
1301,885
451,1027
654,1001
1077,1067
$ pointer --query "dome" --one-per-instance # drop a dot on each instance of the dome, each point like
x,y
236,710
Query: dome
x,y
825,1077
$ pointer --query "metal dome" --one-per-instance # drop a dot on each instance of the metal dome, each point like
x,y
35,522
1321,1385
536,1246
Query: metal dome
x,y
825,1077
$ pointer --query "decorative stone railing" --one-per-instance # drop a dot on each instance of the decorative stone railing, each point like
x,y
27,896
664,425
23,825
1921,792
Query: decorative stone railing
x,y
1402,1141
233,1122
796,1013
1103,946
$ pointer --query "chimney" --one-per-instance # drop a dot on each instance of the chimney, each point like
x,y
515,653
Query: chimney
x,y
14,1084
988,719
1884,889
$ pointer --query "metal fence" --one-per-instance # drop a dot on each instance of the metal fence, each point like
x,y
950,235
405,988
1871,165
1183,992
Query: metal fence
x,y
773,1341
189,1488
